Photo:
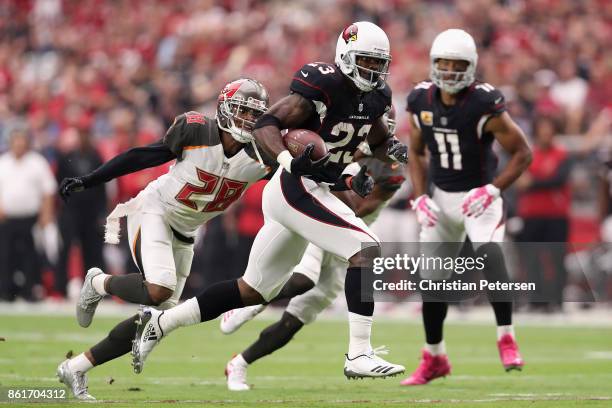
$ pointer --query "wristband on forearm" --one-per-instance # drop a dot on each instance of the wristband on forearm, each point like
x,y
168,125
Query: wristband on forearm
x,y
268,120
352,169
285,158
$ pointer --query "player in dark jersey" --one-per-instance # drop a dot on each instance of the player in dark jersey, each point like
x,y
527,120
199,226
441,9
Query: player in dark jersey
x,y
315,268
216,160
457,119
344,103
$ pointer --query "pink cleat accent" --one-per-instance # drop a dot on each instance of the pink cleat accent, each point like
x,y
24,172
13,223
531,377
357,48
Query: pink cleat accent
x,y
509,353
430,368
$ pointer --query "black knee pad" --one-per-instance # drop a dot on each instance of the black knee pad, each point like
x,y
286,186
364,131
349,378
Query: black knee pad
x,y
131,288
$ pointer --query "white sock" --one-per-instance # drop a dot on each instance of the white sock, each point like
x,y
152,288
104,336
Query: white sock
x,y
360,329
240,361
80,363
436,349
185,314
98,283
503,330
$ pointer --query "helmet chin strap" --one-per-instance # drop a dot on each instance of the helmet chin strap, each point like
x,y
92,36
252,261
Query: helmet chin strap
x,y
257,153
251,140
355,77
451,90
237,135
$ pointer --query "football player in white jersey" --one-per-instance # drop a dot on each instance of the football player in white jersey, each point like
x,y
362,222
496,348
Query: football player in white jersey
x,y
344,103
216,160
457,118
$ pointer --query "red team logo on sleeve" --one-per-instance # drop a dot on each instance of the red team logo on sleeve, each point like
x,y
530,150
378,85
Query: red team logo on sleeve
x,y
195,117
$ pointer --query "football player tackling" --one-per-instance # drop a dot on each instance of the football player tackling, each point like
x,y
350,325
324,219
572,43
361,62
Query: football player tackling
x,y
457,119
344,103
216,160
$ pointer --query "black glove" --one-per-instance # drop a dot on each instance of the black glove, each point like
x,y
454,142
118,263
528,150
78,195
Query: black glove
x,y
398,151
69,186
361,183
316,170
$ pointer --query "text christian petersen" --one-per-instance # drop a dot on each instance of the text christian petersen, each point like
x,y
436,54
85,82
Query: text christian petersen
x,y
458,265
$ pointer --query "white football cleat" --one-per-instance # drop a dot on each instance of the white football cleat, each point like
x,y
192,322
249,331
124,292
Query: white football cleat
x,y
236,375
75,381
88,299
148,335
233,319
371,366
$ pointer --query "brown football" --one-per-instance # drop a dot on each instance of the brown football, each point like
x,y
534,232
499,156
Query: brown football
x,y
296,141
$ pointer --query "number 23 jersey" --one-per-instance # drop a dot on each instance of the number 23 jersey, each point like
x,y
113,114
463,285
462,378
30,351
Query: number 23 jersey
x,y
462,157
344,115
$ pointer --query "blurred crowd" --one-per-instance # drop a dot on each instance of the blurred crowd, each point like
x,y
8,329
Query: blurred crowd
x,y
84,80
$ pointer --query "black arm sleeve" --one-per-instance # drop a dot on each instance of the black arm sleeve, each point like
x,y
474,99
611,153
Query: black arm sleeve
x,y
130,161
556,181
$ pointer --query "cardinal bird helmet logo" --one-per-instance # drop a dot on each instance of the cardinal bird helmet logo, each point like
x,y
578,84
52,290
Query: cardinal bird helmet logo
x,y
350,33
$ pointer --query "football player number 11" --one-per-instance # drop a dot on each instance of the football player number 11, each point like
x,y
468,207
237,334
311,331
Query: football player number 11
x,y
449,158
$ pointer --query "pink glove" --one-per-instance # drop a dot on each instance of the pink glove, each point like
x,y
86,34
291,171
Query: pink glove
x,y
479,199
426,210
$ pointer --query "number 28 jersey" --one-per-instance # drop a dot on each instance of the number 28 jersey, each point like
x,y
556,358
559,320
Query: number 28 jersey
x,y
462,157
203,182
344,115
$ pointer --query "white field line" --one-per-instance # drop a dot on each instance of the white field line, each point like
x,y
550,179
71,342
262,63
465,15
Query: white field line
x,y
599,316
598,355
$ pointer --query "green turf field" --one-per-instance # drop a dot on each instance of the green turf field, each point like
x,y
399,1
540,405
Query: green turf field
x,y
565,367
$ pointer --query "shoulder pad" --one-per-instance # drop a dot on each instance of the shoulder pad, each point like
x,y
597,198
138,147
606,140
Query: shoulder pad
x,y
191,130
386,92
413,97
489,98
317,81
